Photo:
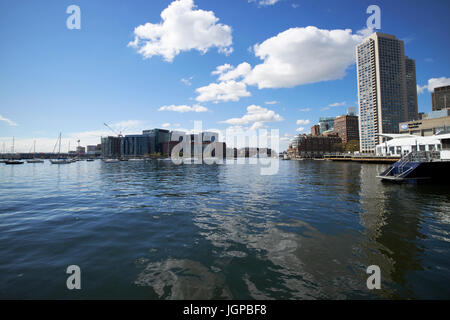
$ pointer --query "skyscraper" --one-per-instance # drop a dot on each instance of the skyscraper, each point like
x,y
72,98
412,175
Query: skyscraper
x,y
411,89
387,93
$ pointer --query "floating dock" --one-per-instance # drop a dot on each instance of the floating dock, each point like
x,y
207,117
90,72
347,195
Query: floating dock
x,y
362,158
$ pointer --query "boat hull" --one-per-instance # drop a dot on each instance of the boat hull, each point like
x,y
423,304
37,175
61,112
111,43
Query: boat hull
x,y
13,162
60,161
418,171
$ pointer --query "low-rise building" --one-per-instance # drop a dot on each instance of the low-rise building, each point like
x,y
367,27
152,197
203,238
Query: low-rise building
x,y
81,150
315,130
347,127
307,146
402,144
433,123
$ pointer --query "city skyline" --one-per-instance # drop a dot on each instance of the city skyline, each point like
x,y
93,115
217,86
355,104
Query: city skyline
x,y
123,67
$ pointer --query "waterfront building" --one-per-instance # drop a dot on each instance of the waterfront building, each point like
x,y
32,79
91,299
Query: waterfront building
x,y
81,150
347,127
402,144
136,145
110,147
326,123
158,137
384,77
440,98
94,150
307,146
315,130
430,124
91,150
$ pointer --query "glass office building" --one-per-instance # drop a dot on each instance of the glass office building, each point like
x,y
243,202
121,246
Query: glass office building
x,y
136,145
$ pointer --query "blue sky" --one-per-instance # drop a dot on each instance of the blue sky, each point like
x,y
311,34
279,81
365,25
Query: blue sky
x,y
53,79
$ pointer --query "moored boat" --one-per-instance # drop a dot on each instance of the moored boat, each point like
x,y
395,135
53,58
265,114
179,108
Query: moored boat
x,y
61,161
9,162
35,161
422,165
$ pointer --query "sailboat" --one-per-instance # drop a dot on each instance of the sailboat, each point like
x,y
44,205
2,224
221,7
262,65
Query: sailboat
x,y
60,160
12,161
3,153
34,160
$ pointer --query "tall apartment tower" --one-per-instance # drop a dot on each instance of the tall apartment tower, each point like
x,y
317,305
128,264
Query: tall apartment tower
x,y
385,81
411,89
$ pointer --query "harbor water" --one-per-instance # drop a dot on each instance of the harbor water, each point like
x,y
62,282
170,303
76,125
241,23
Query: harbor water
x,y
156,230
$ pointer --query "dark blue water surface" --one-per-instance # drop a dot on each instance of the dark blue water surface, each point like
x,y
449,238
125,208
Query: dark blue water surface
x,y
155,230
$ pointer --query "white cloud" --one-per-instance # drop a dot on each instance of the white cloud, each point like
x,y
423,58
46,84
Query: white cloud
x,y
165,125
265,2
234,73
182,28
433,83
8,121
184,108
301,129
256,116
295,5
304,55
221,69
333,105
271,102
228,88
337,104
187,81
300,122
421,89
304,109
223,91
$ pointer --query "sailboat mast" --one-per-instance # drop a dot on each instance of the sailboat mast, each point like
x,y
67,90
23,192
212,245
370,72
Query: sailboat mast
x,y
59,150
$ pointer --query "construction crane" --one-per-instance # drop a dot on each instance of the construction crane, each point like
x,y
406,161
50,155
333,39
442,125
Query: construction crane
x,y
118,134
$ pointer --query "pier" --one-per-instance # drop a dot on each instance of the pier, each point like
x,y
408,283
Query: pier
x,y
371,158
